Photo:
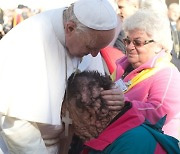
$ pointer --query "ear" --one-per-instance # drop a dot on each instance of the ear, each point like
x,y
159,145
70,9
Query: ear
x,y
158,48
70,27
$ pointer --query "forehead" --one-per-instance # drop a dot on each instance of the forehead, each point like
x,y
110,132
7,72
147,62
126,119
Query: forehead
x,y
137,33
99,39
122,2
125,2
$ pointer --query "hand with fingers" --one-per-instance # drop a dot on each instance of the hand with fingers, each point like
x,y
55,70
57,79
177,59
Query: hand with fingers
x,y
114,98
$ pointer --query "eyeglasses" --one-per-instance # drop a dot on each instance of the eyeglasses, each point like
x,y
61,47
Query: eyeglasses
x,y
137,42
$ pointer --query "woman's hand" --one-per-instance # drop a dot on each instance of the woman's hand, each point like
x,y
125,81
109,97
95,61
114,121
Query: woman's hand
x,y
114,98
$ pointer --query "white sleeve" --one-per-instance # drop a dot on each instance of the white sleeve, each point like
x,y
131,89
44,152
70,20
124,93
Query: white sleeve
x,y
21,137
92,63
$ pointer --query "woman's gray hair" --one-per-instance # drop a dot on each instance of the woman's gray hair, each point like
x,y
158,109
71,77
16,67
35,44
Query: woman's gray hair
x,y
158,6
70,16
156,26
135,2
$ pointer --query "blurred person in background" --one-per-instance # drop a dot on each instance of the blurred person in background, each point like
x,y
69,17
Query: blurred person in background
x,y
178,24
17,18
21,13
1,16
8,20
174,14
1,23
1,32
126,8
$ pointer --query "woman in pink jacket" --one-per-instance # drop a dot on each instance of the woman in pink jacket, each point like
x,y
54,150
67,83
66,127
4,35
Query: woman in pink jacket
x,y
150,81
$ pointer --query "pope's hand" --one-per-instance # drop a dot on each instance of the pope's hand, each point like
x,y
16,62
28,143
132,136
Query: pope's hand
x,y
114,98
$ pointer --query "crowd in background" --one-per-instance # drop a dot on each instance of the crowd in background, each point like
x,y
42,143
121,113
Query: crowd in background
x,y
151,55
11,17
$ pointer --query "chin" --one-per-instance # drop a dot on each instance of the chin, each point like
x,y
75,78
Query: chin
x,y
132,62
131,59
82,55
73,54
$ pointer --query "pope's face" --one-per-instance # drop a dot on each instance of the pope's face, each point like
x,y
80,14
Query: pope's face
x,y
83,43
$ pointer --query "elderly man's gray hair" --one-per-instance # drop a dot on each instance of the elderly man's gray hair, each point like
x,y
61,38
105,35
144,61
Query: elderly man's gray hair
x,y
70,16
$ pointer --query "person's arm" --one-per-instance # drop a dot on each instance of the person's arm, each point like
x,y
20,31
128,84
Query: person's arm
x,y
22,136
163,97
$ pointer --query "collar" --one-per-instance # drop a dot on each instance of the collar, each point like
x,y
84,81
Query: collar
x,y
58,24
123,63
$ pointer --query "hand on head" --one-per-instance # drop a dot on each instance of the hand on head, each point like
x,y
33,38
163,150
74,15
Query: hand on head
x,y
91,108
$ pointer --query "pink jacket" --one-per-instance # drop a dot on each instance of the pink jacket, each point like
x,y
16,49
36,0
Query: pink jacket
x,y
157,95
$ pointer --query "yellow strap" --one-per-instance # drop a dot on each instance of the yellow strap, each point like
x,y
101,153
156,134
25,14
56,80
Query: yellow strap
x,y
113,76
144,74
161,63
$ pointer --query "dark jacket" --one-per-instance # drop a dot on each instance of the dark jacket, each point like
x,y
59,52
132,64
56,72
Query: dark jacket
x,y
119,44
176,47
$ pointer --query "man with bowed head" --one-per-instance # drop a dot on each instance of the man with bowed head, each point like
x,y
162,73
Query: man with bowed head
x,y
34,73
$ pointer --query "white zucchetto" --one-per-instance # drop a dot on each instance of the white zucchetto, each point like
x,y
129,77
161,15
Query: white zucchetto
x,y
96,14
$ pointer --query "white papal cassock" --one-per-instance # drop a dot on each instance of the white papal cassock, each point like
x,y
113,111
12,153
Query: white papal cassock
x,y
33,69
34,65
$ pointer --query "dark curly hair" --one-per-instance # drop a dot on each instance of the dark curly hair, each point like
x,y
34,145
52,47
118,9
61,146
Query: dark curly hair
x,y
85,82
87,108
